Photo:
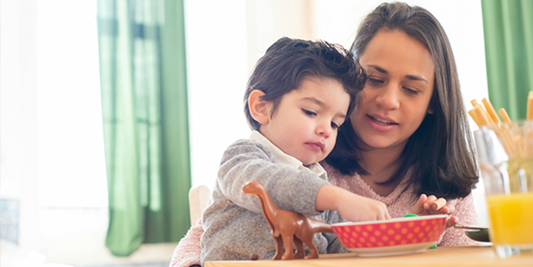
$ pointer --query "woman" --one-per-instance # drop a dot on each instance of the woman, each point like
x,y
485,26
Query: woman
x,y
408,137
409,134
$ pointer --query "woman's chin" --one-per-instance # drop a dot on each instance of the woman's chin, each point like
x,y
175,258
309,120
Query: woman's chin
x,y
378,143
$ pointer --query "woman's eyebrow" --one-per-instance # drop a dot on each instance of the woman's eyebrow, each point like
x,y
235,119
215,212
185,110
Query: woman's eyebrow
x,y
410,77
378,68
415,78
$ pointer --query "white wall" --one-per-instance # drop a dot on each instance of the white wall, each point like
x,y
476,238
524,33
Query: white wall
x,y
18,114
51,143
217,73
70,142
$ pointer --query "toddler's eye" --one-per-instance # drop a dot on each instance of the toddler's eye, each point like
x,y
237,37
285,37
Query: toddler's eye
x,y
334,125
309,112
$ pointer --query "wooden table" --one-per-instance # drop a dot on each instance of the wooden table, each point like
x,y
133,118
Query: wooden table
x,y
442,256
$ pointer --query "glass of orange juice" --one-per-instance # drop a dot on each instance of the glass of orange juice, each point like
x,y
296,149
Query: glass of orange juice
x,y
505,154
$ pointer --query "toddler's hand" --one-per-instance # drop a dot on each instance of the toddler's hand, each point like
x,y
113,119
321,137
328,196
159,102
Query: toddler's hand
x,y
433,205
351,207
356,208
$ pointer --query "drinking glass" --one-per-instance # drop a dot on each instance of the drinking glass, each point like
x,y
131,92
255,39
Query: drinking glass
x,y
505,154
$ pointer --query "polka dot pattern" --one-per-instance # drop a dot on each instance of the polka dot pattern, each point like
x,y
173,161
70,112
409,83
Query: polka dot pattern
x,y
383,234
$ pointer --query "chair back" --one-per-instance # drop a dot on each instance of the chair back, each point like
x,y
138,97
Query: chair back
x,y
198,199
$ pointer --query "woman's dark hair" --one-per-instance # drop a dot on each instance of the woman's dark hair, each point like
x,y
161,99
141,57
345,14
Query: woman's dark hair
x,y
440,150
288,61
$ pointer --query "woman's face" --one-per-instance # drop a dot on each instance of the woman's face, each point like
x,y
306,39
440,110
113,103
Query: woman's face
x,y
396,98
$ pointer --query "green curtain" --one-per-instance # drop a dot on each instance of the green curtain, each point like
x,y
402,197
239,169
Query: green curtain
x,y
508,31
144,105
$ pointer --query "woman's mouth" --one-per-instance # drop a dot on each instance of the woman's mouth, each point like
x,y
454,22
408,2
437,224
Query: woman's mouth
x,y
382,122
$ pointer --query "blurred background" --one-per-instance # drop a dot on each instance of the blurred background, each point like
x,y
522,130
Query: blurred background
x,y
170,73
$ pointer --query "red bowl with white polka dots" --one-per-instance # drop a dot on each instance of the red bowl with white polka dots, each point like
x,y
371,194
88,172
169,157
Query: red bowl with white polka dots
x,y
391,237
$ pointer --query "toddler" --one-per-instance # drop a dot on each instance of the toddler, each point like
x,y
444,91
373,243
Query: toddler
x,y
298,95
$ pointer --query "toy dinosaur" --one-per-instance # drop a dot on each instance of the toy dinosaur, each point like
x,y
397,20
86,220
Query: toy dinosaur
x,y
288,227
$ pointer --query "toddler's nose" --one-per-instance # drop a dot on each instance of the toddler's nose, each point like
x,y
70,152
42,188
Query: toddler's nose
x,y
324,130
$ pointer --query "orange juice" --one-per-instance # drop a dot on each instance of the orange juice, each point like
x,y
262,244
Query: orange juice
x,y
511,218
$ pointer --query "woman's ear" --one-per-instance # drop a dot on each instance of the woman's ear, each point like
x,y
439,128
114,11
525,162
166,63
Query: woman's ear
x,y
430,110
259,108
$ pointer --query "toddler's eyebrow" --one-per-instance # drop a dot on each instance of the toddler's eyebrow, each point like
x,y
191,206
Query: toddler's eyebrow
x,y
314,100
321,103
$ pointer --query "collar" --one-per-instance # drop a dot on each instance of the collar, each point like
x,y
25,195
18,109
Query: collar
x,y
285,159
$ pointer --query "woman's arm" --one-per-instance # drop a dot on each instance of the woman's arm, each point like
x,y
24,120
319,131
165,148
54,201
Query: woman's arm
x,y
188,251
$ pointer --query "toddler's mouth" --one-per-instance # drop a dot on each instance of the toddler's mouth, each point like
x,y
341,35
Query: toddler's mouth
x,y
316,146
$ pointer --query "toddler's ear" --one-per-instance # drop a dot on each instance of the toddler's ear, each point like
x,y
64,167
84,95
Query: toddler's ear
x,y
259,108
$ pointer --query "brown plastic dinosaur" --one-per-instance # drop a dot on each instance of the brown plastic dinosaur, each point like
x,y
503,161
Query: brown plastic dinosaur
x,y
287,226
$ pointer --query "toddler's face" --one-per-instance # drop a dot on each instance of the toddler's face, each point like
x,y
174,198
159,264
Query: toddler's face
x,y
306,121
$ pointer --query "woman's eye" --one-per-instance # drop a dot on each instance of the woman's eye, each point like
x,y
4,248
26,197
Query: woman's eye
x,y
309,112
375,81
411,91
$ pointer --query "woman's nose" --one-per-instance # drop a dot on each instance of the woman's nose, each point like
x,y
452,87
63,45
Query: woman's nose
x,y
388,97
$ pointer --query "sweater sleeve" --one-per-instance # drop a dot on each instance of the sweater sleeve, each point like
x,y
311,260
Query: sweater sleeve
x,y
247,160
465,211
334,244
188,251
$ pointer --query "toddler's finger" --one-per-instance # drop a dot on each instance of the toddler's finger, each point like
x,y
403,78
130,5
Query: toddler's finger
x,y
387,215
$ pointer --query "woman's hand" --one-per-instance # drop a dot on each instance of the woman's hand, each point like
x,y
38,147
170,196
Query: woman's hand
x,y
433,205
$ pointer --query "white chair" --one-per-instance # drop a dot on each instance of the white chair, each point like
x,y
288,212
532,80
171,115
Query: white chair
x,y
198,198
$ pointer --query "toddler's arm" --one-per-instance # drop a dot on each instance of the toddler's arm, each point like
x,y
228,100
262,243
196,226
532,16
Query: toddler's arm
x,y
290,188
